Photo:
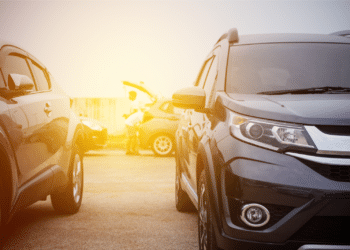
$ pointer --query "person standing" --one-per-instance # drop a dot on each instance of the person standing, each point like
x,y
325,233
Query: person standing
x,y
133,119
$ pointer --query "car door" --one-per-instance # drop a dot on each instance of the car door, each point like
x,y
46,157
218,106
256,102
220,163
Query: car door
x,y
57,111
191,131
199,122
27,113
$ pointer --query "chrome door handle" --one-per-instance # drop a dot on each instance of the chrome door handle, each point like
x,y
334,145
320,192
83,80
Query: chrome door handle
x,y
48,108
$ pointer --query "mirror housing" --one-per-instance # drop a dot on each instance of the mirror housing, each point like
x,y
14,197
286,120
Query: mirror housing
x,y
190,98
20,82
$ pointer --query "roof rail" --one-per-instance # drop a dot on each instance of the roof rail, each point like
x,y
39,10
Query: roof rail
x,y
232,36
341,33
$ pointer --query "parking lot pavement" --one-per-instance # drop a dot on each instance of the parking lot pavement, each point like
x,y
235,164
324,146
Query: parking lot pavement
x,y
128,203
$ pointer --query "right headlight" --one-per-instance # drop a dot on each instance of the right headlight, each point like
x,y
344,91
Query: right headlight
x,y
272,135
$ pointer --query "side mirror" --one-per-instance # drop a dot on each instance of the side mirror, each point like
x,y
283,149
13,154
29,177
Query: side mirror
x,y
190,98
20,82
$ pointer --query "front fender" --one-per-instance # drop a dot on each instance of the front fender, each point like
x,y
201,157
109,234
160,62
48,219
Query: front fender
x,y
75,134
8,176
212,162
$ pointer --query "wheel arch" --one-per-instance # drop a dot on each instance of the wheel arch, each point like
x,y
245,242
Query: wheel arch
x,y
79,137
8,175
205,161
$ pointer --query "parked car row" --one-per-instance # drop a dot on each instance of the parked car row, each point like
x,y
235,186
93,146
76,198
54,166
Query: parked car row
x,y
263,145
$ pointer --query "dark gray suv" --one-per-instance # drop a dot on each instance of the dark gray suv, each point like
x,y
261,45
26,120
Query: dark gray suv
x,y
263,144
40,138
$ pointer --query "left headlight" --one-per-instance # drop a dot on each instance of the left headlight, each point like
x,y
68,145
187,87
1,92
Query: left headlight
x,y
272,135
92,125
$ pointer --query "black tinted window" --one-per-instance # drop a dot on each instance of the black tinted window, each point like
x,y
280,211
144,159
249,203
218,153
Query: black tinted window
x,y
269,67
16,65
41,80
203,76
211,80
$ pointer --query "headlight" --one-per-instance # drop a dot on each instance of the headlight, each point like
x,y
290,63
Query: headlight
x,y
92,125
272,135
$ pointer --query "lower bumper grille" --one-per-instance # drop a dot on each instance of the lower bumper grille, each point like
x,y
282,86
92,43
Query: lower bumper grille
x,y
332,172
324,229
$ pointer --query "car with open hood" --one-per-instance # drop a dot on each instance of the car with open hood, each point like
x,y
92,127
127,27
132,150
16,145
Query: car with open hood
x,y
159,124
263,143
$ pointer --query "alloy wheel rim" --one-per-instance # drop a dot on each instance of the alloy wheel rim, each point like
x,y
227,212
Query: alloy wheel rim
x,y
77,179
203,219
163,145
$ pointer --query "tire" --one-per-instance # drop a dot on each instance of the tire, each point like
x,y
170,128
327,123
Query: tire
x,y
162,145
206,235
1,205
68,201
182,201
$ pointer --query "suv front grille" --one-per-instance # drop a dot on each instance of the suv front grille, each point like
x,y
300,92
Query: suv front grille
x,y
335,130
324,229
332,172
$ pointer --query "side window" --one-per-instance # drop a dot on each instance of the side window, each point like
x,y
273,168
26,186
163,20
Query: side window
x,y
40,77
2,83
210,83
16,65
201,80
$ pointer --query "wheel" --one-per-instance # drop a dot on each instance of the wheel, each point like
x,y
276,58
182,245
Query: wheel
x,y
162,145
1,200
68,201
182,201
206,236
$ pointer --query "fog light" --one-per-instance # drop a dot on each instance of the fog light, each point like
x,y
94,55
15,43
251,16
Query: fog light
x,y
255,215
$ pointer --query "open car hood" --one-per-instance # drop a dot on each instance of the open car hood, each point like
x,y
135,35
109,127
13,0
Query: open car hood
x,y
141,87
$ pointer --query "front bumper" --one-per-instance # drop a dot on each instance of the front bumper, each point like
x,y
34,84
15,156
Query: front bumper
x,y
95,139
306,206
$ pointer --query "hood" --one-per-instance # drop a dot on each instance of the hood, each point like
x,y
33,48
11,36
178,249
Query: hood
x,y
142,88
310,109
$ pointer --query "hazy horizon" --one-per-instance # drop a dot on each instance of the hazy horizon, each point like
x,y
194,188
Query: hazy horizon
x,y
90,47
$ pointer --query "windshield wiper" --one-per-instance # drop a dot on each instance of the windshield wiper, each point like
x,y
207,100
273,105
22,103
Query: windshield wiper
x,y
318,90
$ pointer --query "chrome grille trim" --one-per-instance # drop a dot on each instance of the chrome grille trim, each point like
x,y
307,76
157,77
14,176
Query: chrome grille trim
x,y
322,160
329,144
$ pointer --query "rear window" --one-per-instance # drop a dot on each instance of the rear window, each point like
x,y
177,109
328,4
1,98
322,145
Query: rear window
x,y
286,66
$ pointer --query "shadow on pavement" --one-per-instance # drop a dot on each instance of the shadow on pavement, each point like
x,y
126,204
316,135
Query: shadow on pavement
x,y
25,219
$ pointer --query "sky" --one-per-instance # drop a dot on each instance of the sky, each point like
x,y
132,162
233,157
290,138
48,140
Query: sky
x,y
90,47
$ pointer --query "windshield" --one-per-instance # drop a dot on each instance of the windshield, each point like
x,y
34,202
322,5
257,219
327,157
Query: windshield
x,y
260,68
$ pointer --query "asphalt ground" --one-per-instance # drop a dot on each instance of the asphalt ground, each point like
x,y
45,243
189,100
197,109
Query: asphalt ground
x,y
128,203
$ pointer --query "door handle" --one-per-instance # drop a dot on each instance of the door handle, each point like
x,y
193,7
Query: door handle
x,y
48,108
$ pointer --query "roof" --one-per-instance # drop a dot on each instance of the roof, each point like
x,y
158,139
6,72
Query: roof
x,y
291,38
4,42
